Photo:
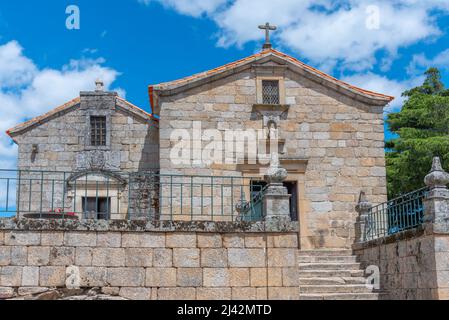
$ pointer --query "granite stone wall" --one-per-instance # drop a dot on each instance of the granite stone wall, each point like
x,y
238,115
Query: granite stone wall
x,y
143,260
413,265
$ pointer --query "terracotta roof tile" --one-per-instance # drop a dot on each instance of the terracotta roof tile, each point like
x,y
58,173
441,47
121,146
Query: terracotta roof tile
x,y
64,107
332,78
138,109
36,120
212,71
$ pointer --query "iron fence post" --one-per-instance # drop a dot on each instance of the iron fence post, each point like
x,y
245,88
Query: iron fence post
x,y
18,194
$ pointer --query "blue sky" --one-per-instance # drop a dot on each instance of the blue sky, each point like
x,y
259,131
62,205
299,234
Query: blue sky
x,y
380,45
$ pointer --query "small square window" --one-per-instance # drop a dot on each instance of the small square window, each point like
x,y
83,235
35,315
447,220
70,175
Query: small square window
x,y
96,208
270,91
98,131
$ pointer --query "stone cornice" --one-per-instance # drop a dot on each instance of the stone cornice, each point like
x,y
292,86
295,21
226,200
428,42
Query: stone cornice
x,y
146,226
394,238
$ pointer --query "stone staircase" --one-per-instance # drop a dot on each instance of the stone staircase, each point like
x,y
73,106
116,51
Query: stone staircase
x,y
332,275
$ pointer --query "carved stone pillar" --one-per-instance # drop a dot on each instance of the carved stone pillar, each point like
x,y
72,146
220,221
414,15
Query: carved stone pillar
x,y
363,208
277,200
436,202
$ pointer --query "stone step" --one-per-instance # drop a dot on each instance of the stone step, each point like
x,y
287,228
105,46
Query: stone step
x,y
329,266
330,273
313,259
346,288
341,296
332,281
326,252
355,280
321,281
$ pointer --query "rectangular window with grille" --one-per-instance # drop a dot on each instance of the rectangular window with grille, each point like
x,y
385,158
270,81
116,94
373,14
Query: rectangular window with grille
x,y
270,91
98,131
96,208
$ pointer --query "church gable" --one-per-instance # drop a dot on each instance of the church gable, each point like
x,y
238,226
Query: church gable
x,y
268,63
98,130
109,105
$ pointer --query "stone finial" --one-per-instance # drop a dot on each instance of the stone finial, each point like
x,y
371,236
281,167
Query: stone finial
x,y
275,174
436,201
363,205
99,84
437,178
363,208
241,206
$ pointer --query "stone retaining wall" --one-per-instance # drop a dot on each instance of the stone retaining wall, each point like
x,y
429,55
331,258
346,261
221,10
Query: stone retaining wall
x,y
143,260
413,265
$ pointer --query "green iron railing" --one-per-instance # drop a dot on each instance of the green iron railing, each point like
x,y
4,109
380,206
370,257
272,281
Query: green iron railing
x,y
403,213
252,210
97,194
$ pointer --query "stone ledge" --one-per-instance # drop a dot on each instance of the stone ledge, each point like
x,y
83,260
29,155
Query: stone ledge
x,y
438,227
147,226
394,238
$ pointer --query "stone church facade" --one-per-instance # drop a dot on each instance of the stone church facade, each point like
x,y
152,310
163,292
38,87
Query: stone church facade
x,y
330,136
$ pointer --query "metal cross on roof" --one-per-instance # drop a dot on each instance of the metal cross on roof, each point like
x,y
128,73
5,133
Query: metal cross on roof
x,y
267,27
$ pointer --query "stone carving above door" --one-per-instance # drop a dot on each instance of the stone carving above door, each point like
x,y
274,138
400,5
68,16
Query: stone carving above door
x,y
98,160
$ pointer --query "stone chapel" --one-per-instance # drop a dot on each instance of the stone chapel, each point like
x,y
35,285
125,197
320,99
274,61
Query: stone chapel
x,y
330,137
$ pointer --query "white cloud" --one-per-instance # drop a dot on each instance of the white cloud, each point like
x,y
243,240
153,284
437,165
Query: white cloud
x,y
421,63
343,36
328,32
15,69
27,91
194,8
377,83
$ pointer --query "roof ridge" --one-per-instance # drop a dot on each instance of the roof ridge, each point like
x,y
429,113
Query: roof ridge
x,y
214,70
137,108
36,119
63,107
329,76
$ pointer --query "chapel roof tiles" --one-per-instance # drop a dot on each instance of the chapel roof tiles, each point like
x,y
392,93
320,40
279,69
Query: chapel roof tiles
x,y
38,119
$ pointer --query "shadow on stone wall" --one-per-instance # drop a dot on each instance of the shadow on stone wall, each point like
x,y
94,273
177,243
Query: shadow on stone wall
x,y
150,152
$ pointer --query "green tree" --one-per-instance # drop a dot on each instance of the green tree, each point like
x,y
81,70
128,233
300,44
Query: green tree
x,y
422,127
